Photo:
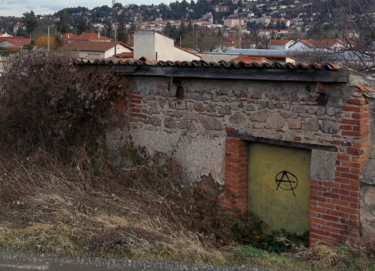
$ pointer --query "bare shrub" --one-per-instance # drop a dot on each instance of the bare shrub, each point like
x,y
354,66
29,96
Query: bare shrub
x,y
48,103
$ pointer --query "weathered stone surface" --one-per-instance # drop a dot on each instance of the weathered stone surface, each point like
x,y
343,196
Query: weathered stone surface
x,y
271,105
331,111
367,212
276,121
210,123
321,111
262,105
311,110
299,109
294,124
211,108
183,124
199,107
191,116
181,105
178,114
256,95
240,105
369,197
155,120
238,118
162,103
225,110
170,123
279,105
311,125
323,165
172,105
260,116
368,172
206,97
249,107
330,127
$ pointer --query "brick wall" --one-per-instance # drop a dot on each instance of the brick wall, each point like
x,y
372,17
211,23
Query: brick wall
x,y
335,205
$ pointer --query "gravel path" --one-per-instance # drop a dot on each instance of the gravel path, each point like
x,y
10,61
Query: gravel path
x,y
13,262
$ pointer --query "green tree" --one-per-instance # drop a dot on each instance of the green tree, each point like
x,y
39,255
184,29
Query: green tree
x,y
65,23
30,21
122,35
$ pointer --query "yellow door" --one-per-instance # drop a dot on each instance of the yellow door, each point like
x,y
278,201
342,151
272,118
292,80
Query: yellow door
x,y
279,187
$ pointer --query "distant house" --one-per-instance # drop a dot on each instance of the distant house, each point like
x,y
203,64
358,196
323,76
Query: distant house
x,y
323,44
94,37
280,44
96,50
5,35
14,42
155,46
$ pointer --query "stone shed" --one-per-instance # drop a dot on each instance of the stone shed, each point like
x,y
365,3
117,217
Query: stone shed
x,y
292,144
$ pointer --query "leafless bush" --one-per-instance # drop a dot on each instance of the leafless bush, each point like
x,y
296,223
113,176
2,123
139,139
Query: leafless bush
x,y
48,103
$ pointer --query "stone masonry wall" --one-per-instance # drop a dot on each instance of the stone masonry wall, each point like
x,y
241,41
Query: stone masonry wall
x,y
189,119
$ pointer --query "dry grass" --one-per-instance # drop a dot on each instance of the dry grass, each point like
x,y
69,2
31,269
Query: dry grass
x,y
50,207
90,209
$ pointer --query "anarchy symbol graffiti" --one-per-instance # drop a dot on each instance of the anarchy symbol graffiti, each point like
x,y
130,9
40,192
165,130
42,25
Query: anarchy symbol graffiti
x,y
287,181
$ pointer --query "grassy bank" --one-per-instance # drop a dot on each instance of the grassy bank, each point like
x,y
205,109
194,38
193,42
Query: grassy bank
x,y
88,208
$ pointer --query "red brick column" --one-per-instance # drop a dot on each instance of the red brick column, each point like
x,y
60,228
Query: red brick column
x,y
335,205
235,198
136,107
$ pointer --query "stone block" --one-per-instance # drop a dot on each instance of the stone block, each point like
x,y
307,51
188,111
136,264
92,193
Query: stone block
x,y
181,105
210,123
162,103
275,121
238,118
331,111
294,124
172,105
260,116
249,107
199,107
299,109
271,105
178,114
183,124
368,172
225,110
155,120
311,125
330,127
256,95
170,123
211,108
321,111
323,165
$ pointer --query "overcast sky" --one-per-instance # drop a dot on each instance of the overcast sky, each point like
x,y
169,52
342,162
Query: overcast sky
x,y
17,7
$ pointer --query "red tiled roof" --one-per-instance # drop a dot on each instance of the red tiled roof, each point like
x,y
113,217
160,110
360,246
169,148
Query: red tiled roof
x,y
125,55
17,41
89,37
326,43
279,42
221,64
92,46
252,59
